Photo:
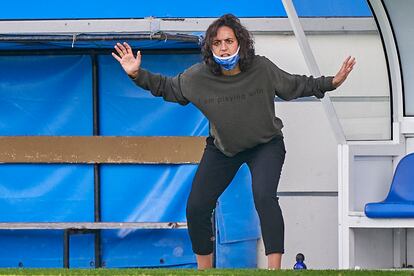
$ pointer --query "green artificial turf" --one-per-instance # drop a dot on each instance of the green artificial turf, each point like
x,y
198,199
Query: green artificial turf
x,y
212,272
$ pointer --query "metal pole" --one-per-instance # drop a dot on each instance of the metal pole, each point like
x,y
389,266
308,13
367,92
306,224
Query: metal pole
x,y
66,248
313,68
95,94
96,169
98,249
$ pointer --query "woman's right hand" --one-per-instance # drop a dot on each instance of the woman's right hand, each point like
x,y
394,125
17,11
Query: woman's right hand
x,y
126,58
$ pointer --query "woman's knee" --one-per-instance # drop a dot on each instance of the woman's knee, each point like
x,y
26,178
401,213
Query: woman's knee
x,y
265,202
197,209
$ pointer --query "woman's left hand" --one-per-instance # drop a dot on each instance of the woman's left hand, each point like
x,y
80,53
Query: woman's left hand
x,y
343,73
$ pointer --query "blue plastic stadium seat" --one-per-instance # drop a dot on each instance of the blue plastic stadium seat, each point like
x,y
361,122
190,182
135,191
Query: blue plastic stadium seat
x,y
400,200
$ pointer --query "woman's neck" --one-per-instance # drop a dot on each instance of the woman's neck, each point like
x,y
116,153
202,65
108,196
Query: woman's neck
x,y
236,70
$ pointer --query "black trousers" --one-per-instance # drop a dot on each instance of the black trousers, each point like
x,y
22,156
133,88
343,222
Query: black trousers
x,y
213,176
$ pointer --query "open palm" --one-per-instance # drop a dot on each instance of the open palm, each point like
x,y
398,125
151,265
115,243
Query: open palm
x,y
126,58
343,73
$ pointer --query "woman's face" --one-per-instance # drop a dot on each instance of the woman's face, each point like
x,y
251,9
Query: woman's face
x,y
225,43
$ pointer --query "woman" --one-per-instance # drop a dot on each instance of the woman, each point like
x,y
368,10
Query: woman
x,y
235,90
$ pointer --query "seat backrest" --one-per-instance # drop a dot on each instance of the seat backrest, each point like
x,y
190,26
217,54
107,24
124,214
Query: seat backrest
x,y
402,187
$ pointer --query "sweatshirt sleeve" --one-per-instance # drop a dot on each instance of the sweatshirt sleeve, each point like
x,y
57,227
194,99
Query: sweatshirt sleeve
x,y
161,86
290,86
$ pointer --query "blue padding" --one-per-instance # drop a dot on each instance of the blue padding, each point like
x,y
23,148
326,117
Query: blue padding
x,y
45,95
77,9
237,224
237,219
400,200
44,248
126,109
237,254
46,193
146,193
34,248
82,251
147,248
329,8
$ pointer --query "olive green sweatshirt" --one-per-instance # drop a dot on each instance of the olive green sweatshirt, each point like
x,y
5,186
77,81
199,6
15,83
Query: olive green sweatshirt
x,y
240,108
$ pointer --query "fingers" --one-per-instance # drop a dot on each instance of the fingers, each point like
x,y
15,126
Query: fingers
x,y
343,73
347,59
347,65
127,47
350,65
350,61
349,68
353,62
116,57
121,49
344,64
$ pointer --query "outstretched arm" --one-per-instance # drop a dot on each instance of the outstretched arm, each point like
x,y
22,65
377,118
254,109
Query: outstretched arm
x,y
343,73
160,86
289,87
126,58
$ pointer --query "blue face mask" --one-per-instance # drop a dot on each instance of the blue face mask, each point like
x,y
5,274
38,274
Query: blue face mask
x,y
228,63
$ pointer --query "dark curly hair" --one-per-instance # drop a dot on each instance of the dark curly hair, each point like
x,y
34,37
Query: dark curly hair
x,y
244,39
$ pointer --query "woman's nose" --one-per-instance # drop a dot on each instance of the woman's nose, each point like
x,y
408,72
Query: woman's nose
x,y
223,47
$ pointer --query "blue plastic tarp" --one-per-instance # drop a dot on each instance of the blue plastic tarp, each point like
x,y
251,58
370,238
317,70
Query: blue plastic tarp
x,y
56,99
46,193
45,95
234,224
126,109
47,44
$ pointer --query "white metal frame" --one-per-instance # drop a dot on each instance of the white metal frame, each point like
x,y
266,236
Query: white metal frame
x,y
393,59
180,25
313,68
349,220
395,149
